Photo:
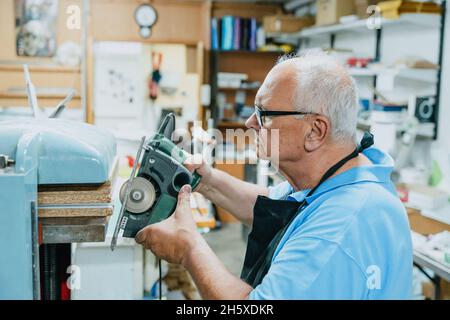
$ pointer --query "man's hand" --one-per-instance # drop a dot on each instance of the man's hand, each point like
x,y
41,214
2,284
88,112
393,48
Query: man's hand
x,y
197,163
174,238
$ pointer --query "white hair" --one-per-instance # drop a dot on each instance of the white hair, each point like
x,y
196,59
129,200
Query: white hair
x,y
325,87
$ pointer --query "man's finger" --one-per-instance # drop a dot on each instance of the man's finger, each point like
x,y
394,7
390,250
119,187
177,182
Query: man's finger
x,y
193,162
141,236
184,197
185,194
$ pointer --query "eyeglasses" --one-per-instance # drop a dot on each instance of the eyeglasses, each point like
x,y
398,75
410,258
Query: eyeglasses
x,y
261,115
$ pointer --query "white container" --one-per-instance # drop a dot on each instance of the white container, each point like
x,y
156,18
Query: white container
x,y
106,274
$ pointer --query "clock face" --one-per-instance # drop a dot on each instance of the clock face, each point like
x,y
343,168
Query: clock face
x,y
145,15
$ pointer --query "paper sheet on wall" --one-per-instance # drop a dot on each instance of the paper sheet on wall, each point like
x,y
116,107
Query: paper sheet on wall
x,y
119,81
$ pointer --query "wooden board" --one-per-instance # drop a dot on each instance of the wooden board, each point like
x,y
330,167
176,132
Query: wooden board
x,y
70,199
178,21
75,212
74,194
245,10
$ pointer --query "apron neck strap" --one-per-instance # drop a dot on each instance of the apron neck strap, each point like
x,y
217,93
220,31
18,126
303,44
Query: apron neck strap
x,y
365,143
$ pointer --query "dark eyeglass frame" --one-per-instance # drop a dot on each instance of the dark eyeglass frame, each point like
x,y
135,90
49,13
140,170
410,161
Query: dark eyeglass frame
x,y
260,114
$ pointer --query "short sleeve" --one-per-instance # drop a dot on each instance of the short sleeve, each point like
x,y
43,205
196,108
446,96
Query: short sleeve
x,y
310,268
280,190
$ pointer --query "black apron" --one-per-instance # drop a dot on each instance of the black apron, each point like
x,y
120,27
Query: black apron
x,y
271,219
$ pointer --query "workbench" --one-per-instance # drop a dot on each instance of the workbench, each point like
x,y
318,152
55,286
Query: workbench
x,y
425,226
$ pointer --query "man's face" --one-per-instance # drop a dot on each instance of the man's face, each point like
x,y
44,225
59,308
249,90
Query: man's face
x,y
280,137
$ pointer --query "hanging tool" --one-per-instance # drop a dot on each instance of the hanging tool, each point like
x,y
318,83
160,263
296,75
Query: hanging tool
x,y
155,76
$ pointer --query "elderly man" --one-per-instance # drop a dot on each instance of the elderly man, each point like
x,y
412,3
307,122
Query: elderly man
x,y
335,229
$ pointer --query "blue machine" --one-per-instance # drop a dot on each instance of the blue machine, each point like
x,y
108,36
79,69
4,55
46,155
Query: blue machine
x,y
41,151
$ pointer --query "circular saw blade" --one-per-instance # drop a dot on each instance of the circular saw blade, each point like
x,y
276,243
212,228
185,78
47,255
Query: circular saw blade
x,y
141,197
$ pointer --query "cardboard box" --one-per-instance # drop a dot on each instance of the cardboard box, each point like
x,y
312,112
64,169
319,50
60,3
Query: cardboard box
x,y
236,170
361,7
424,225
394,8
329,11
286,23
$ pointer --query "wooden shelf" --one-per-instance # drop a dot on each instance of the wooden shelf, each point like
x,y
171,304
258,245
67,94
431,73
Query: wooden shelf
x,y
45,99
248,51
46,95
231,124
408,19
365,125
39,68
236,89
414,74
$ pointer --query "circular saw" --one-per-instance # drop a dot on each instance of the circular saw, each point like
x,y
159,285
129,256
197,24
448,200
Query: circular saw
x,y
151,193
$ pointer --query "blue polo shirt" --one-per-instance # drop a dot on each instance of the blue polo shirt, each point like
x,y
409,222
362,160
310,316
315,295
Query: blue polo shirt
x,y
352,240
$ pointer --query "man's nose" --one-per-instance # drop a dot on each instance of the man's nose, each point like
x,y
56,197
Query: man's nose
x,y
252,122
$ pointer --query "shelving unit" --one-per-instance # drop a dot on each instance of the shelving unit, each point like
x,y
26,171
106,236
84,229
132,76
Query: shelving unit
x,y
5,66
407,21
53,82
256,64
424,75
411,19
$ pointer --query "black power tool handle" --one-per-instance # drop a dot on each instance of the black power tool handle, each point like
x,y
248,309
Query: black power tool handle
x,y
168,126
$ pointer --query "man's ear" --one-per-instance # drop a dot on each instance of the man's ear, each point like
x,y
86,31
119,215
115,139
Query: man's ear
x,y
317,133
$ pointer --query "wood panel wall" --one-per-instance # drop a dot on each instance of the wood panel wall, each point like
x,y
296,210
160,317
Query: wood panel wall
x,y
185,22
44,72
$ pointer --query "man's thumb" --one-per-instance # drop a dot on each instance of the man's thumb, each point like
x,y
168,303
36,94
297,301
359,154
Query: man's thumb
x,y
184,196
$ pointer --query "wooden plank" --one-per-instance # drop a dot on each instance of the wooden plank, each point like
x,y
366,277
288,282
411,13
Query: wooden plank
x,y
74,212
71,230
206,25
68,200
245,10
74,194
49,102
47,95
39,68
15,79
90,116
200,63
178,21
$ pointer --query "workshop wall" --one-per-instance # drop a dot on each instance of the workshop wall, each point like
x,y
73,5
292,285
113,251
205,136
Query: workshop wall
x,y
8,34
47,74
185,22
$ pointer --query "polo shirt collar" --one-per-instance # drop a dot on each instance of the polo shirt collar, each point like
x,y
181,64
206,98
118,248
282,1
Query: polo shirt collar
x,y
379,172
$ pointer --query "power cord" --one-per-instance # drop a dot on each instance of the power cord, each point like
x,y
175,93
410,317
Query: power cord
x,y
160,279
